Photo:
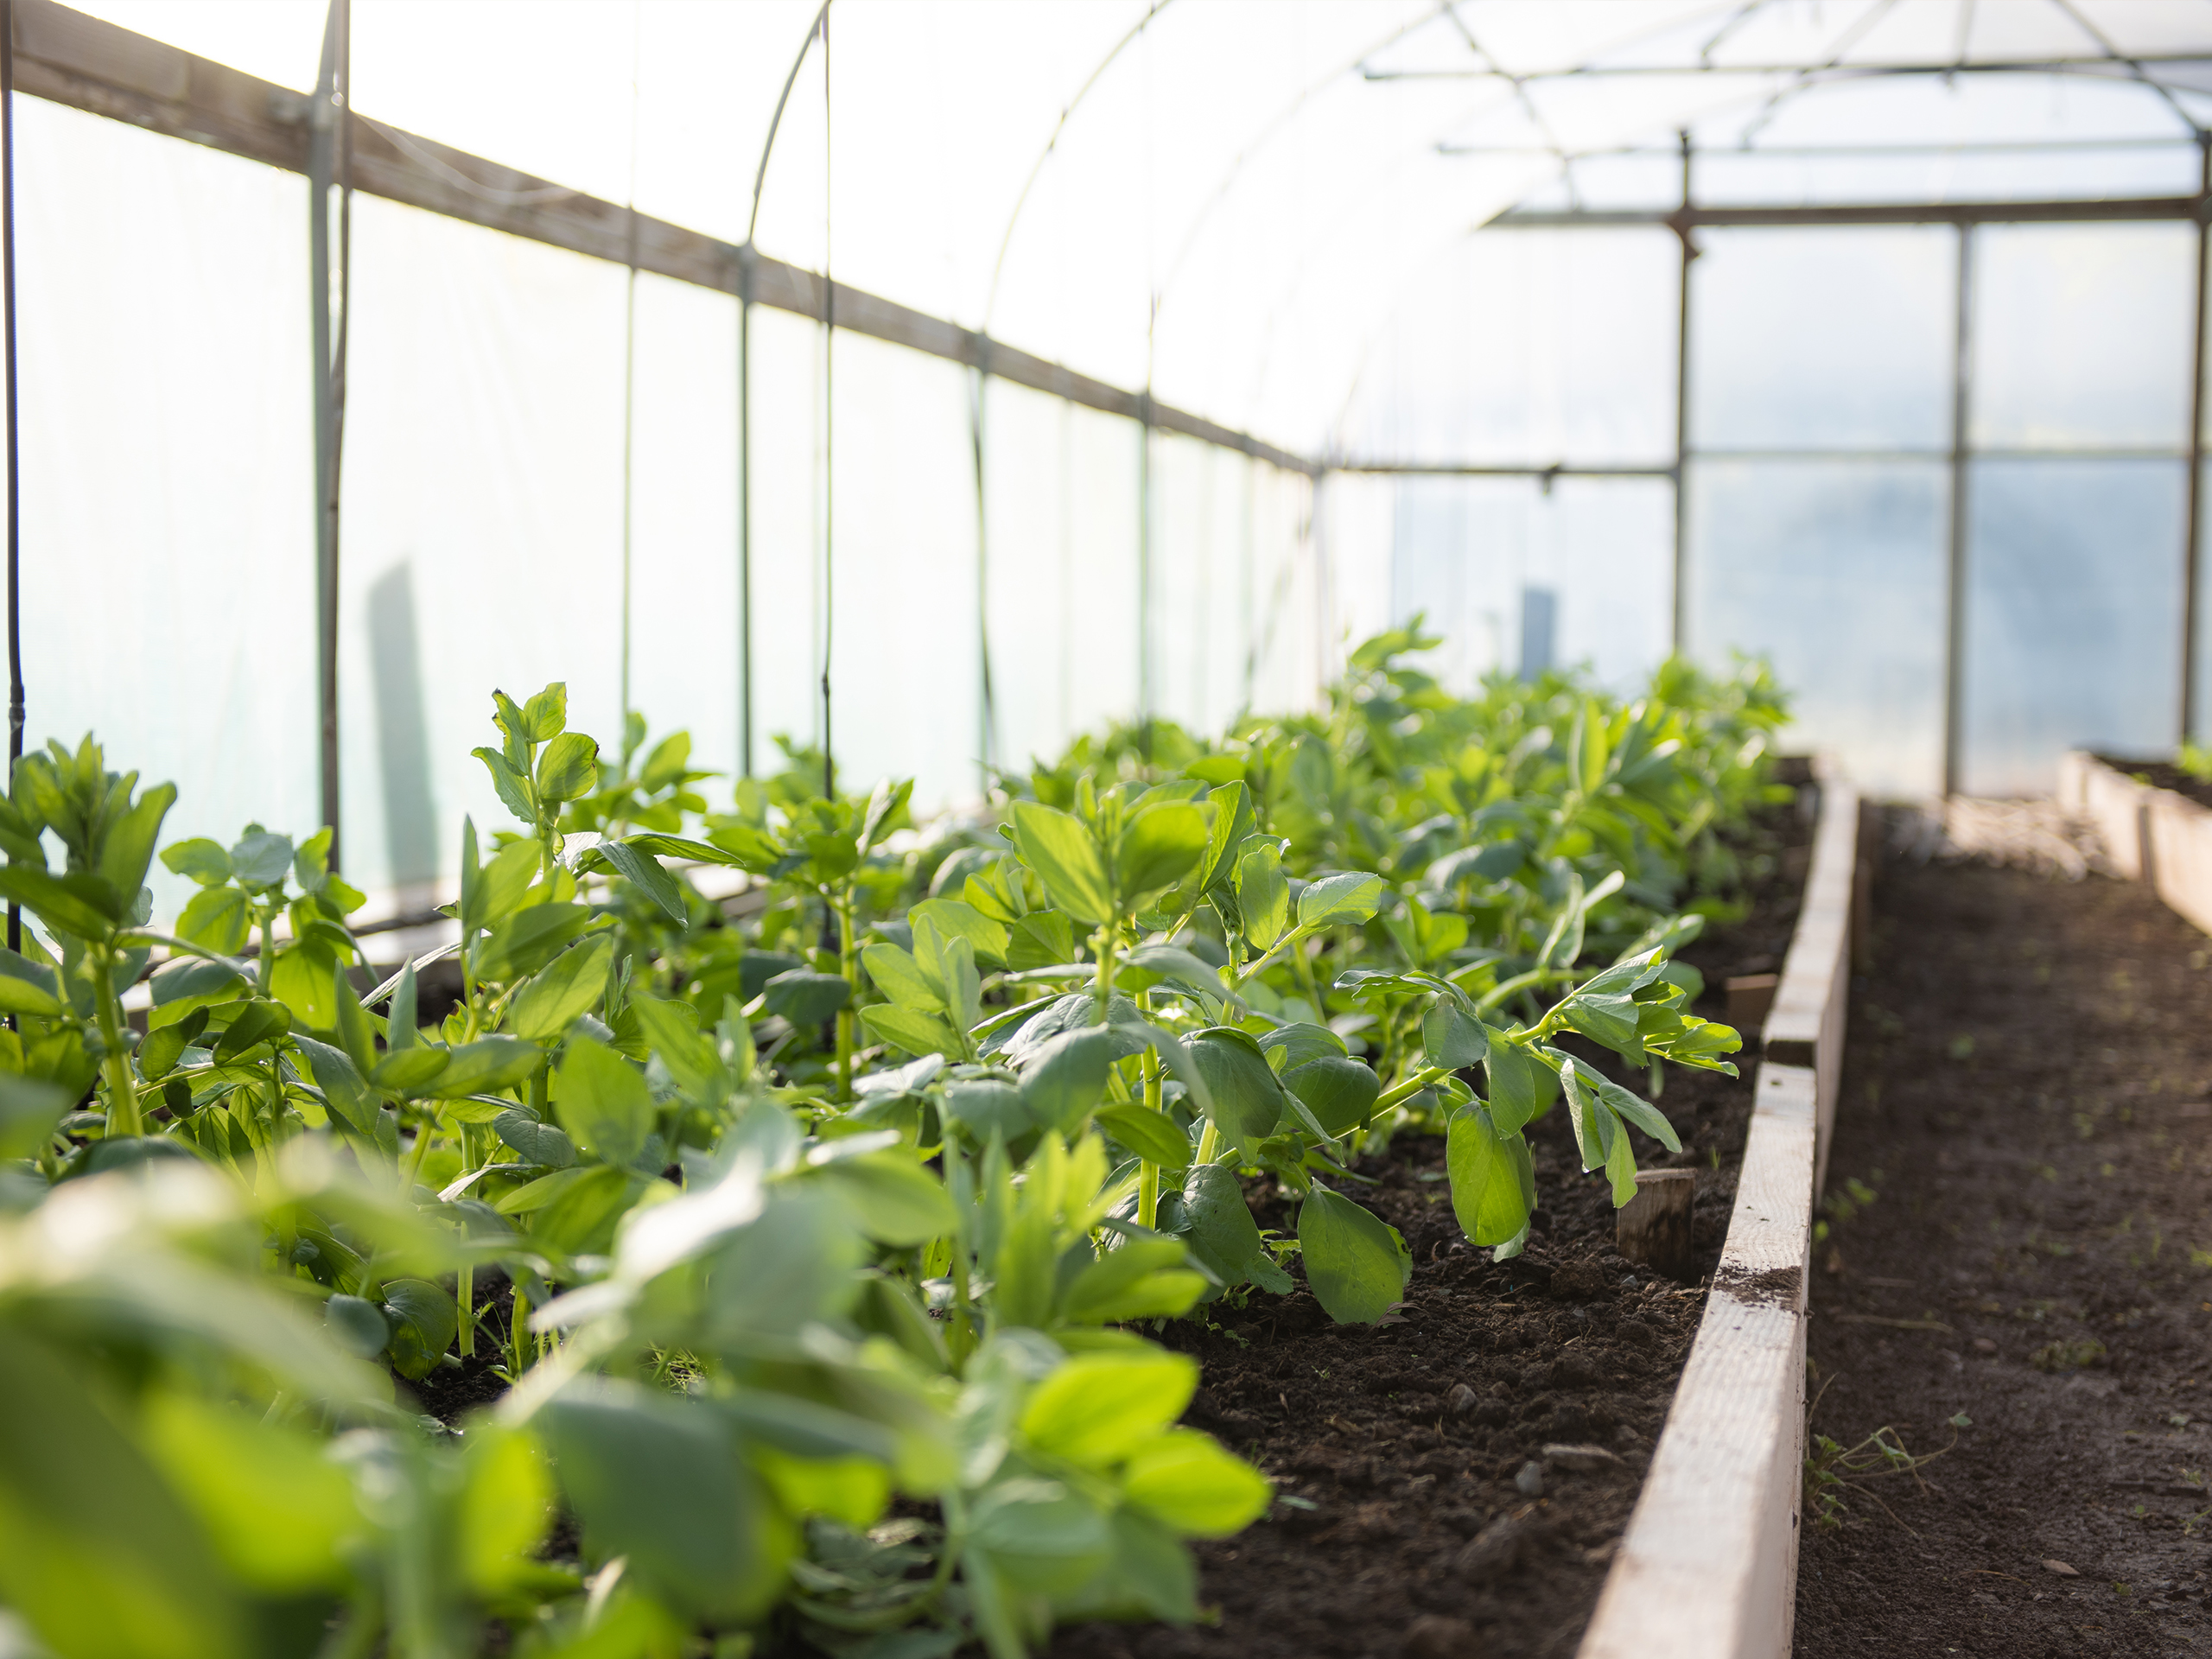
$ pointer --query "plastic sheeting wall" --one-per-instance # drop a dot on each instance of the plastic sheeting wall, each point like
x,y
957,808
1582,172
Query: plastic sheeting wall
x,y
168,526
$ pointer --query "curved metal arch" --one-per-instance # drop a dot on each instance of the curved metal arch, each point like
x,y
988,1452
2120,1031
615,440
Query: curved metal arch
x,y
1021,201
776,121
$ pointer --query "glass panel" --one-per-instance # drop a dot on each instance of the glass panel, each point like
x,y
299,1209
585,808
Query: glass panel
x,y
786,504
1516,578
2073,636
167,465
906,657
1527,346
483,535
2076,336
1823,338
1062,483
1201,580
1834,571
683,630
2201,668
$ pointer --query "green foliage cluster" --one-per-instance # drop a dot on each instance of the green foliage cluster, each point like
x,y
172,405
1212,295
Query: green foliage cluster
x,y
820,1234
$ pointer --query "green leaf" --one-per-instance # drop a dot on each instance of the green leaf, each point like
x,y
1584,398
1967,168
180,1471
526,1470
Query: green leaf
x,y
485,1065
545,716
29,1109
424,1323
570,986
1140,1279
1339,1091
1486,1194
1244,1100
1096,1409
1158,848
407,1071
1513,1094
957,920
1043,939
910,1029
1067,1077
603,1100
988,1105
1262,893
128,848
341,1083
1595,1127
1188,1481
805,998
1232,822
950,965
356,1033
1620,1170
513,787
659,1481
28,987
1626,1106
567,768
895,973
1221,1234
1452,1037
203,860
536,1142
1347,900
893,1200
261,859
648,874
1058,847
75,904
502,886
1152,1135
256,1023
1357,1265
527,940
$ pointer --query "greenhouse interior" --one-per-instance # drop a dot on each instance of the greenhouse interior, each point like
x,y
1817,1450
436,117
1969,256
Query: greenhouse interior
x,y
973,732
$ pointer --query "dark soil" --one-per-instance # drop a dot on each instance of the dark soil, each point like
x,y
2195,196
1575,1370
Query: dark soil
x,y
2025,1090
2160,774
1399,1528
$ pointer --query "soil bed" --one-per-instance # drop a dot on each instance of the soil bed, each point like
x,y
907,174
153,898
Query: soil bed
x,y
2161,774
2026,1090
1399,1528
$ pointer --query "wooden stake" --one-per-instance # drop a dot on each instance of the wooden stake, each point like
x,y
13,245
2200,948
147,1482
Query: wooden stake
x,y
1654,1227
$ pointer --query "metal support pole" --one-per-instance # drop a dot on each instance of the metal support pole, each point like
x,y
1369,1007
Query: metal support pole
x,y
14,472
1145,664
987,711
1678,629
746,260
1955,600
2191,696
330,153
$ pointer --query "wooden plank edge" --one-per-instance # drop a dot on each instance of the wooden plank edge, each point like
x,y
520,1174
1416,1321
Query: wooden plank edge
x,y
69,58
2152,834
1707,1568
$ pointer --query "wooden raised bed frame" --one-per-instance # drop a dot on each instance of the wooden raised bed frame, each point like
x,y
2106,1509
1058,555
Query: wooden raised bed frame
x,y
2150,835
1708,1566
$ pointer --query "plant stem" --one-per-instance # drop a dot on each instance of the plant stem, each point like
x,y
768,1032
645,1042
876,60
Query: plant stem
x,y
1106,938
122,1088
848,965
1412,1086
1148,1170
1209,1142
464,1307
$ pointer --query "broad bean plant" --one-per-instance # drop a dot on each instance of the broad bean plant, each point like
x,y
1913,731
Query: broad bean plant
x,y
806,1247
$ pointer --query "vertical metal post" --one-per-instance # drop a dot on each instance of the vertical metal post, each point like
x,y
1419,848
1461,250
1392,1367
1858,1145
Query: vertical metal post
x,y
330,162
14,472
2191,696
1955,600
749,262
987,711
1145,663
1678,633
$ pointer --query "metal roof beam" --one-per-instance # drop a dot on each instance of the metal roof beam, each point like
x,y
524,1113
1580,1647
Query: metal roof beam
x,y
1963,213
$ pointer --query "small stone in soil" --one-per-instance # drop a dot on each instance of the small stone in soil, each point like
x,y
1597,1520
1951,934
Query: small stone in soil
x,y
1462,1399
1984,1345
2062,1569
1581,1460
1433,1635
1530,1480
1493,1552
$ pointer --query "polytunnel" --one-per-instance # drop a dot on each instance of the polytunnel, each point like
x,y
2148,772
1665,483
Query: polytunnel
x,y
1205,828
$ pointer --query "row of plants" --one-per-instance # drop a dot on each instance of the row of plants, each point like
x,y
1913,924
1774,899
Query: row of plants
x,y
814,1250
